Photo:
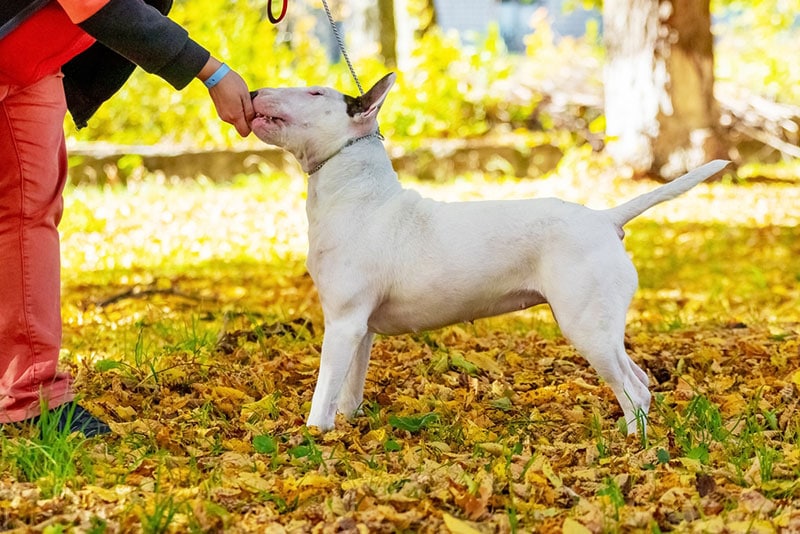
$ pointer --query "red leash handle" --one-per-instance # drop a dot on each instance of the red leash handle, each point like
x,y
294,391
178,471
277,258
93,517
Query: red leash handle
x,y
272,18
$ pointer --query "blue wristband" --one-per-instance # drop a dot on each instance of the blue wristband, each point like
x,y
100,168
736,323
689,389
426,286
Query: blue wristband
x,y
220,73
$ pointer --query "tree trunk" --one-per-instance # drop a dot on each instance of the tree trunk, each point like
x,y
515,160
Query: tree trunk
x,y
361,23
428,18
388,32
412,18
661,115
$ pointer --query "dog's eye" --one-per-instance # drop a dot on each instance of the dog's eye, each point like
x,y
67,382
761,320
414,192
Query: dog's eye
x,y
315,92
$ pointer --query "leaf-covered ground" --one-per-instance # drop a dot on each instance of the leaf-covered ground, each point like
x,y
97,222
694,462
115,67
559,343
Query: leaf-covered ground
x,y
193,328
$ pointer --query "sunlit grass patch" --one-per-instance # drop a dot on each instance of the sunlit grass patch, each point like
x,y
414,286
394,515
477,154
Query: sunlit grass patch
x,y
153,224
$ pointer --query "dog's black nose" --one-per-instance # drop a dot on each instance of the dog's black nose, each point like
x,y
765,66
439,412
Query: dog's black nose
x,y
253,94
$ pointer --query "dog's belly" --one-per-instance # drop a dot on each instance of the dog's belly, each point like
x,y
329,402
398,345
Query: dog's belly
x,y
401,316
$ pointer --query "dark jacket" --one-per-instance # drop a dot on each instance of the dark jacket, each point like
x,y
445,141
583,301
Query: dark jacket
x,y
128,33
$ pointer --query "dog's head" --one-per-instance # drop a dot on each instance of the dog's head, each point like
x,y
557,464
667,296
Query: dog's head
x,y
314,122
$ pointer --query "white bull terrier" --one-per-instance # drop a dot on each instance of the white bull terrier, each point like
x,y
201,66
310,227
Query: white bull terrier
x,y
385,260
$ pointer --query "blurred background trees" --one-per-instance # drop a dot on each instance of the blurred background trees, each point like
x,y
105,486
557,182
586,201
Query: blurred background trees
x,y
659,84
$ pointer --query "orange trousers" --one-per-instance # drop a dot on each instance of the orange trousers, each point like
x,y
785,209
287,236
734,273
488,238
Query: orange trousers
x,y
33,171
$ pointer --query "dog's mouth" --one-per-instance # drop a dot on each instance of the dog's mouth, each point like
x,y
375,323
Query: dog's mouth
x,y
274,119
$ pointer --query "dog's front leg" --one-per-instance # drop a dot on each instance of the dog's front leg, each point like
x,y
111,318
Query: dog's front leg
x,y
340,346
353,393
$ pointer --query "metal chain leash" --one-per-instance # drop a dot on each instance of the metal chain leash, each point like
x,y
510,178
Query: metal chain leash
x,y
340,40
273,19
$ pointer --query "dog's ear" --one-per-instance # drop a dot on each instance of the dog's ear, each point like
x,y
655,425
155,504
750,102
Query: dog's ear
x,y
371,101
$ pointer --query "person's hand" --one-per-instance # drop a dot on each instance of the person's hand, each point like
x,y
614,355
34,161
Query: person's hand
x,y
231,97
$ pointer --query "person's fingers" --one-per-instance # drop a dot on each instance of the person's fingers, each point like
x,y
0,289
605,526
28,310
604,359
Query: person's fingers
x,y
231,97
248,115
242,126
241,120
247,104
247,101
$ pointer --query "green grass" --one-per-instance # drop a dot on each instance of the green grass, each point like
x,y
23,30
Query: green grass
x,y
45,455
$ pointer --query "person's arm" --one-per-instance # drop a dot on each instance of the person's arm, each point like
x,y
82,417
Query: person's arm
x,y
140,33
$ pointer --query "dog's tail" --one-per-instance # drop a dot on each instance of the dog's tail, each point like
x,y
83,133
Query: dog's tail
x,y
623,213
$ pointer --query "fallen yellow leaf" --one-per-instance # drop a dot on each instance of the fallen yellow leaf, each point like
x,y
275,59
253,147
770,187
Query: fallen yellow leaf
x,y
457,526
253,482
795,378
573,527
126,413
223,392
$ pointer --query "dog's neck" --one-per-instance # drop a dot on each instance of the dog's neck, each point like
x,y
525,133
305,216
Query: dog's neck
x,y
349,143
351,185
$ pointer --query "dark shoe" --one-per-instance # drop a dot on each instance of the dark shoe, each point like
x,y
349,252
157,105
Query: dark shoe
x,y
72,417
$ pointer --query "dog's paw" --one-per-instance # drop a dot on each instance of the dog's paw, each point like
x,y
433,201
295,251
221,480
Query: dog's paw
x,y
350,408
322,427
324,422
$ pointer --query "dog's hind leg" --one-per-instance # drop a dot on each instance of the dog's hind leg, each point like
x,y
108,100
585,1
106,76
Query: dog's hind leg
x,y
340,346
595,324
353,393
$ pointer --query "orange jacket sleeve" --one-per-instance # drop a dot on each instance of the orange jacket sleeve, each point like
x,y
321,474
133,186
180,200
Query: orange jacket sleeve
x,y
80,10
